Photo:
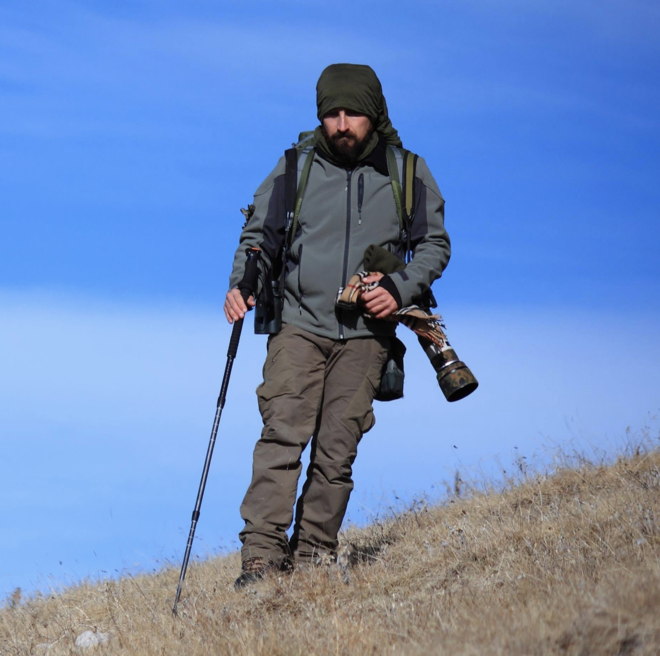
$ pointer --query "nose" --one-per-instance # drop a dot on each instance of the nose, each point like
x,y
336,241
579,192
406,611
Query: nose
x,y
342,121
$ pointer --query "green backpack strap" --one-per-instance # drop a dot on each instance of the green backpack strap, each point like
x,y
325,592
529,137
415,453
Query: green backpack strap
x,y
305,161
402,164
298,163
395,169
409,169
295,181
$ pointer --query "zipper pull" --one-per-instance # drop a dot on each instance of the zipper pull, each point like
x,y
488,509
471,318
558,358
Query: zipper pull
x,y
300,251
360,197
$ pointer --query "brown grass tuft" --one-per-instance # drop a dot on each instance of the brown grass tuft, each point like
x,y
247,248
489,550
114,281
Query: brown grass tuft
x,y
566,564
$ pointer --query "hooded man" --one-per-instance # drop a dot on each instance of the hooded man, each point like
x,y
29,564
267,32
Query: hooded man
x,y
324,366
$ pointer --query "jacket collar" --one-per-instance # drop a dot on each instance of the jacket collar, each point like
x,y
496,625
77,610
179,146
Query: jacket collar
x,y
377,158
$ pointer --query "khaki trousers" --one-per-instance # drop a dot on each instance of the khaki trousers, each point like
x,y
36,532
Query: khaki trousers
x,y
314,388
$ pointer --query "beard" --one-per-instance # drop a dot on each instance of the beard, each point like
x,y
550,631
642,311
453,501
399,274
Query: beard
x,y
345,146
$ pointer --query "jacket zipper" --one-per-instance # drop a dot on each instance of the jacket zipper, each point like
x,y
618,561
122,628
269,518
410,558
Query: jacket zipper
x,y
349,174
360,197
300,249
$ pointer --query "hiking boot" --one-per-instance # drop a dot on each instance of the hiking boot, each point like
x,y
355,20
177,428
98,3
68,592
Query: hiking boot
x,y
254,570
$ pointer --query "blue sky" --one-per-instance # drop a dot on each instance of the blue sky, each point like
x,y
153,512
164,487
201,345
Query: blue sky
x,y
132,132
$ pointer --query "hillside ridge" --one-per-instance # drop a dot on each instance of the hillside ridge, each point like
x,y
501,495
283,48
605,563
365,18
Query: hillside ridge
x,y
565,564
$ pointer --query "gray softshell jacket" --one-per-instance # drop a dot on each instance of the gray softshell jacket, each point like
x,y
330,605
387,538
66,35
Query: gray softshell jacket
x,y
343,212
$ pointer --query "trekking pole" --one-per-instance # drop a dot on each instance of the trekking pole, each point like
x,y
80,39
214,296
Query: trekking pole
x,y
247,286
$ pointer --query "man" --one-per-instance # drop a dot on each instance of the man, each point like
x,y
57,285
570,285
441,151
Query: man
x,y
324,367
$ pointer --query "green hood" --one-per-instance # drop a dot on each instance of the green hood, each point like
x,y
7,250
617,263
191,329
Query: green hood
x,y
356,87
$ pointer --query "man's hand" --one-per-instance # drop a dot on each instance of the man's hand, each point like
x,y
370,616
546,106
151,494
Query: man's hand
x,y
379,303
235,307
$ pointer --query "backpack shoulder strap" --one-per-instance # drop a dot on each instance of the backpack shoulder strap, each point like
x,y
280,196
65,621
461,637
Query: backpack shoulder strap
x,y
395,169
409,170
290,184
402,165
295,190
297,164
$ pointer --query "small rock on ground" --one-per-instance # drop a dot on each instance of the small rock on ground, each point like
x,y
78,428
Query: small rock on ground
x,y
92,639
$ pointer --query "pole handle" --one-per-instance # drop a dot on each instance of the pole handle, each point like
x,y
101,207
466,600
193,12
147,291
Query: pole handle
x,y
248,284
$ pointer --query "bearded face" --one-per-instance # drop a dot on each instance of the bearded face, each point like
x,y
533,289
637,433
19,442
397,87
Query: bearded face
x,y
347,133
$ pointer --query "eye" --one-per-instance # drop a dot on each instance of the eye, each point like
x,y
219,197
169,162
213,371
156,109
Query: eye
x,y
332,114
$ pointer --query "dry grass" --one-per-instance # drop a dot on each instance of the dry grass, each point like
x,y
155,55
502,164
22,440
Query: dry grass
x,y
562,564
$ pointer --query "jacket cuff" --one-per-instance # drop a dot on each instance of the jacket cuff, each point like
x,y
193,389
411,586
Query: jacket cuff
x,y
388,285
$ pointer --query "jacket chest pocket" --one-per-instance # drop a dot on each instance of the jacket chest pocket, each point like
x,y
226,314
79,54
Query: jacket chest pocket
x,y
375,217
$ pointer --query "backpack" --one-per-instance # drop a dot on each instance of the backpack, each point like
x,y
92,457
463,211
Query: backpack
x,y
401,165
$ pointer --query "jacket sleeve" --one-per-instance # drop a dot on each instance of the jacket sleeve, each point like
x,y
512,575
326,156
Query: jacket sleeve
x,y
265,228
430,241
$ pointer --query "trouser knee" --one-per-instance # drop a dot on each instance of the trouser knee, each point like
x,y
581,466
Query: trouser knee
x,y
336,472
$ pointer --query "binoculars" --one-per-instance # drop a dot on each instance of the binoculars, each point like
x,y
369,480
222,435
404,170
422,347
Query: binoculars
x,y
268,313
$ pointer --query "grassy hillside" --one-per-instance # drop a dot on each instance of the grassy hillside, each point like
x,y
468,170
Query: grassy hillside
x,y
562,564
